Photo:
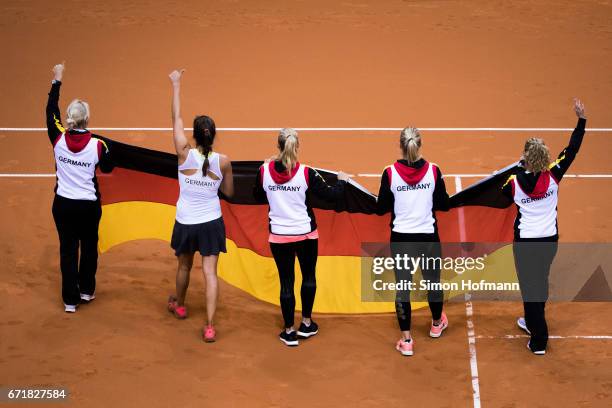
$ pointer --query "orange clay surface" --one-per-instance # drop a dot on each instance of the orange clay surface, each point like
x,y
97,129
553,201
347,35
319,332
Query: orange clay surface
x,y
300,64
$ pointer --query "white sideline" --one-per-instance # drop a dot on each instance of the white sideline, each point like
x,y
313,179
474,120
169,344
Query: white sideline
x,y
481,175
456,176
469,312
524,336
26,175
323,129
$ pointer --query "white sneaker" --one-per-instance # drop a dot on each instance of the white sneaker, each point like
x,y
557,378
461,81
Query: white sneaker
x,y
87,298
522,324
70,308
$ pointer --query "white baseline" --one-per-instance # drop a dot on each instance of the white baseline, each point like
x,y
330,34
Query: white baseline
x,y
367,175
323,129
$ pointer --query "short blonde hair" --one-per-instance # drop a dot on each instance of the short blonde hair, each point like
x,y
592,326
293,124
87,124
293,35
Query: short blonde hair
x,y
77,114
536,155
410,142
288,144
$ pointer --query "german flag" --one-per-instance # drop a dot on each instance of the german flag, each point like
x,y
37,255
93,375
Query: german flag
x,y
483,214
139,198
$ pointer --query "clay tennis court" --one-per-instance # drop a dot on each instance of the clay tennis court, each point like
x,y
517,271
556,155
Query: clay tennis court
x,y
305,64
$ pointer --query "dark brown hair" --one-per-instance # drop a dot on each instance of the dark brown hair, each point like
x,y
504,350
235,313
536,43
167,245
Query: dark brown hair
x,y
204,131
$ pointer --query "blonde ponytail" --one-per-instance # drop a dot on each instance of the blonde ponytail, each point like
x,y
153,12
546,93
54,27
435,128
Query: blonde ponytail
x,y
77,114
288,144
536,155
410,142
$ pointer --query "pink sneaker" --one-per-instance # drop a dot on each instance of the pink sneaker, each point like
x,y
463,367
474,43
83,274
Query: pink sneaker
x,y
180,312
209,334
436,331
405,347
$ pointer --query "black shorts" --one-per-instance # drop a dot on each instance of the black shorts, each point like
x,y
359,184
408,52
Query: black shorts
x,y
207,238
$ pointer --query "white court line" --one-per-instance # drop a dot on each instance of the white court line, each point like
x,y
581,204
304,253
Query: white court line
x,y
325,129
475,175
41,175
524,336
374,175
25,175
469,312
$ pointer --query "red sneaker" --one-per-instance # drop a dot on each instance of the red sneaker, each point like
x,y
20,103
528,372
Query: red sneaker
x,y
209,334
405,347
436,331
180,312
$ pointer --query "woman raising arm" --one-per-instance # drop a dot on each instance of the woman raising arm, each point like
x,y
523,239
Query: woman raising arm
x,y
199,222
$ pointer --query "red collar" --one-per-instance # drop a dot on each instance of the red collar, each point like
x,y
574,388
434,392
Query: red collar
x,y
76,141
541,186
409,174
284,176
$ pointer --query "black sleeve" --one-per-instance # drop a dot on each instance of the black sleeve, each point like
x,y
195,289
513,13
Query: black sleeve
x,y
441,202
567,156
54,120
258,191
105,163
318,187
385,200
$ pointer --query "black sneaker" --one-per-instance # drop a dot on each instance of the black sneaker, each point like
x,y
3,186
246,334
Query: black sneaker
x,y
305,332
537,352
290,339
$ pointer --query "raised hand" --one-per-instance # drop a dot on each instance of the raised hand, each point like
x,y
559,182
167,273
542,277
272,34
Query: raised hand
x,y
579,108
58,71
176,75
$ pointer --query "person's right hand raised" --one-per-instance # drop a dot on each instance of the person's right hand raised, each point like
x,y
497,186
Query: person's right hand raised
x,y
58,71
579,108
176,75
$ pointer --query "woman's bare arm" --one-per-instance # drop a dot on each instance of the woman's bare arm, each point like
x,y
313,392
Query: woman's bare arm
x,y
181,143
227,185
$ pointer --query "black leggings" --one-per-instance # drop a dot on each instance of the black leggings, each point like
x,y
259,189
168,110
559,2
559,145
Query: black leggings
x,y
284,256
77,223
416,245
532,259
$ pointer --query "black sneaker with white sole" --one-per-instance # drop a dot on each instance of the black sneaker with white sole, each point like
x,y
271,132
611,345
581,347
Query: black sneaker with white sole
x,y
536,352
290,339
305,332
70,308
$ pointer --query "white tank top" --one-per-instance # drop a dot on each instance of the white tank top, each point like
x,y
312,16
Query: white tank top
x,y
413,207
76,171
288,212
198,199
537,216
